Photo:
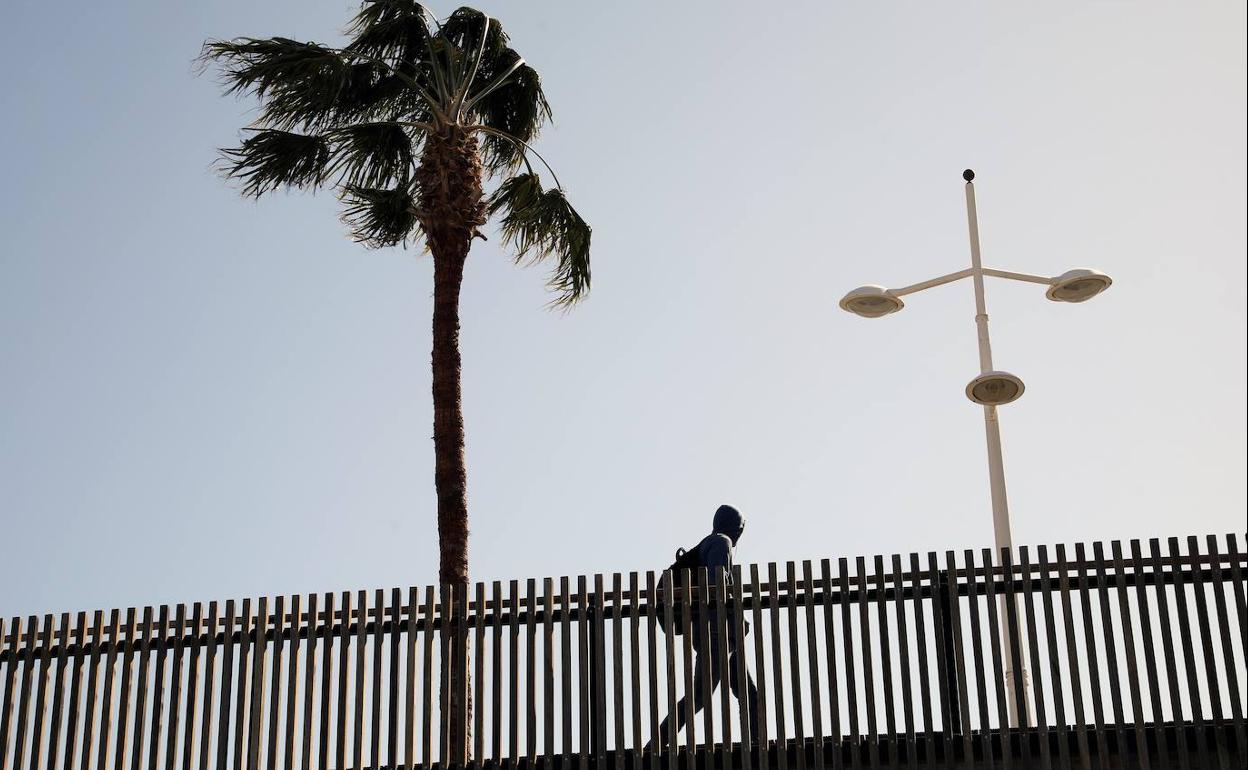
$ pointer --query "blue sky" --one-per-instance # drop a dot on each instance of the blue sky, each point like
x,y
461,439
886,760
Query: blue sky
x,y
206,397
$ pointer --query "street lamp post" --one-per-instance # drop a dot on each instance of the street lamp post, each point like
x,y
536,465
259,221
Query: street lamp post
x,y
991,388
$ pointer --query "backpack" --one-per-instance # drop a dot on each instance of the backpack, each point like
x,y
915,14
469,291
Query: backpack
x,y
677,576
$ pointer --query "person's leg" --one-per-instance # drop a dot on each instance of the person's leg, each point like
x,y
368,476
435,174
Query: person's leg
x,y
699,672
751,692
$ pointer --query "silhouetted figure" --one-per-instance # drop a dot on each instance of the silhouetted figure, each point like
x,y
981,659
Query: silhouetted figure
x,y
715,552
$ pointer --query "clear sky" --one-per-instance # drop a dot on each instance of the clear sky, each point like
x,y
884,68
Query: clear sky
x,y
205,397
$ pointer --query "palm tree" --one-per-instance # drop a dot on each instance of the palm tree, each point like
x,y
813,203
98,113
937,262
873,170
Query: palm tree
x,y
408,122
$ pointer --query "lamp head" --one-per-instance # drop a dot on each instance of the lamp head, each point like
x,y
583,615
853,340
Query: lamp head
x,y
1078,285
871,302
995,388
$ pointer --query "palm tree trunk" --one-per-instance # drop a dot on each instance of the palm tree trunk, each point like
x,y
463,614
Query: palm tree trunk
x,y
451,209
450,480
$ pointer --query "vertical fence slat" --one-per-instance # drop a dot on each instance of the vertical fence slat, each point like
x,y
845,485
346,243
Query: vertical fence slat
x,y
58,686
583,667
1228,653
669,644
344,686
426,733
1055,663
1093,659
702,631
478,679
223,699
23,697
446,610
530,671
652,651
513,694
324,731
459,655
361,679
394,683
1111,647
812,649
1143,576
991,605
719,632
599,667
903,653
241,694
565,653
1168,653
1213,687
192,730
847,644
1128,643
88,754
747,704
634,640
686,604
410,718
175,689
548,667
886,653
309,683
777,678
829,649
795,665
6,705
1237,583
977,656
160,643
75,703
1014,637
1189,656
1072,659
868,661
617,666
259,666
124,711
274,697
920,636
496,678
292,676
760,668
940,638
1037,665
959,655
41,692
377,671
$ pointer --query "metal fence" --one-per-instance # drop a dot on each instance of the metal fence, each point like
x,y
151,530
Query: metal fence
x,y
1128,656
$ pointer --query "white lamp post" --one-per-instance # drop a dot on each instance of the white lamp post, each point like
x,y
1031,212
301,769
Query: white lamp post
x,y
991,388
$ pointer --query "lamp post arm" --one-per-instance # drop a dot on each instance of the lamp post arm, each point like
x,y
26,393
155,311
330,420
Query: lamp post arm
x,y
1027,277
941,281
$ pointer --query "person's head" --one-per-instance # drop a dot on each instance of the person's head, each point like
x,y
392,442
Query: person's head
x,y
729,521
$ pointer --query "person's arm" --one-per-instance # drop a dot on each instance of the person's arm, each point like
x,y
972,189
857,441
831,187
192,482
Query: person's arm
x,y
718,553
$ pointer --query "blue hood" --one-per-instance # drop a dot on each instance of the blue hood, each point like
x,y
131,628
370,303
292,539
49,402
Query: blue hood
x,y
729,521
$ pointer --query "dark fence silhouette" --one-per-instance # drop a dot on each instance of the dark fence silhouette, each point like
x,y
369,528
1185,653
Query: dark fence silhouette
x,y
1127,656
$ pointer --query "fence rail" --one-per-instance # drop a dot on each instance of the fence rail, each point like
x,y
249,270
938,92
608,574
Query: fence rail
x,y
1127,656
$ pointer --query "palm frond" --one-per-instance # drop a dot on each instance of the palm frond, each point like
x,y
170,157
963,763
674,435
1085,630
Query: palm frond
x,y
518,108
541,224
269,159
480,39
379,217
297,83
373,154
395,30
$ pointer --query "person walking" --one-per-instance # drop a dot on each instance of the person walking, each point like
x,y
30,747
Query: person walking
x,y
714,552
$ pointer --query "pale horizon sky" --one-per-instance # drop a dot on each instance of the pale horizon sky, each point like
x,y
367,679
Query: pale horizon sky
x,y
205,397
